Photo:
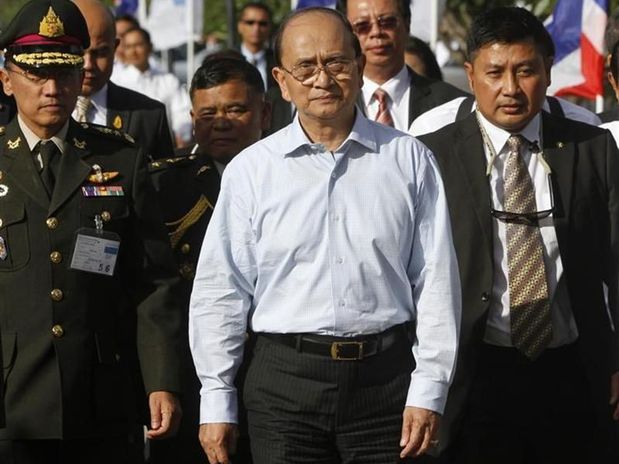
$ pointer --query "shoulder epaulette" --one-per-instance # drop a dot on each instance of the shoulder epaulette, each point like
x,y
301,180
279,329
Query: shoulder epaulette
x,y
108,131
165,163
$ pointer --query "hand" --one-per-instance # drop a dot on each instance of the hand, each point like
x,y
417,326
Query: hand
x,y
165,415
219,441
419,428
614,394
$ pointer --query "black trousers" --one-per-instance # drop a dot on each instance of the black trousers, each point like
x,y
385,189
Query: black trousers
x,y
306,408
524,412
92,451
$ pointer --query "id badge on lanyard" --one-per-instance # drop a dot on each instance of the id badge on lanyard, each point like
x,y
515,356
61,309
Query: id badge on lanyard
x,y
95,250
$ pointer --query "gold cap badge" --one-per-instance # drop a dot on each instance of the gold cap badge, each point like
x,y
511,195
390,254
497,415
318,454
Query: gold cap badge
x,y
117,123
51,25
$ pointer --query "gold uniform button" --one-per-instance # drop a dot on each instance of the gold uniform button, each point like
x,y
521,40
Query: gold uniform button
x,y
55,257
185,248
52,223
57,331
56,294
106,216
187,272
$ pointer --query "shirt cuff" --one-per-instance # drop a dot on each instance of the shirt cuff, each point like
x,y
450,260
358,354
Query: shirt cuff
x,y
427,394
218,407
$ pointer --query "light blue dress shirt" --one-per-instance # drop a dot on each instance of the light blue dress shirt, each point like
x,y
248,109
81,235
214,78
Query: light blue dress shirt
x,y
349,242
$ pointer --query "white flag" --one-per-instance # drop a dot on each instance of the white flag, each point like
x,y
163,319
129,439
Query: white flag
x,y
174,22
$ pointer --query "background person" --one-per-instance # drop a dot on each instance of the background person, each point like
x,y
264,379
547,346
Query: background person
x,y
254,28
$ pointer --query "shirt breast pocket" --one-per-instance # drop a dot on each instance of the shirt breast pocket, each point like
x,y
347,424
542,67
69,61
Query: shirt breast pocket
x,y
113,212
14,237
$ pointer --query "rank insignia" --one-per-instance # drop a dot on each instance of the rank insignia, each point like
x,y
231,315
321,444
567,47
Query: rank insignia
x,y
13,144
3,250
51,25
103,191
203,169
81,144
4,189
118,122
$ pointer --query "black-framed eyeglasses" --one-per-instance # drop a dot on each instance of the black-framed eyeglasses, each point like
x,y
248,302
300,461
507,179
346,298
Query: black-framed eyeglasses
x,y
385,23
306,72
527,219
251,22
40,76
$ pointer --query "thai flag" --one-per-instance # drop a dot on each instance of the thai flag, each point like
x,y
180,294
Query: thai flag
x,y
299,4
577,28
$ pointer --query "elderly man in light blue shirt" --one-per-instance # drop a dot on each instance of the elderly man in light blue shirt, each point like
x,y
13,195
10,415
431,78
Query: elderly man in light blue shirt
x,y
331,241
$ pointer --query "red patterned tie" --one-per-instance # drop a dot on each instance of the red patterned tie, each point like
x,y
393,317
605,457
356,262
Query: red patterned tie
x,y
383,116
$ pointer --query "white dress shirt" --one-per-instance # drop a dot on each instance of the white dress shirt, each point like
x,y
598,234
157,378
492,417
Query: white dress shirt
x,y
349,242
97,111
166,88
259,60
498,329
613,127
398,88
32,139
446,113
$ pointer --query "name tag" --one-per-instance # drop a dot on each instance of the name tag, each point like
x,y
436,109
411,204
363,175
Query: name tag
x,y
95,251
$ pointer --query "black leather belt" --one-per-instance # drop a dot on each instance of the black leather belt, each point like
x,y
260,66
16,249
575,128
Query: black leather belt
x,y
342,348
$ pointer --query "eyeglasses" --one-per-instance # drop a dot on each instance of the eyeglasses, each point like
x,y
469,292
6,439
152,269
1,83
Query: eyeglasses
x,y
527,219
251,22
307,72
385,23
41,75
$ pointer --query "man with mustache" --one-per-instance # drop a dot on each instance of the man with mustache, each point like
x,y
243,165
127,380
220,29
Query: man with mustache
x,y
330,240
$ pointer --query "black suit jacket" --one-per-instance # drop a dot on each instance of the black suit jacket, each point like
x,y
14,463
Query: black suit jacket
x,y
585,178
142,118
69,354
610,115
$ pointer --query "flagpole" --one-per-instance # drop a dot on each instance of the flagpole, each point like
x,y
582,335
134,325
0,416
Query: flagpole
x,y
190,43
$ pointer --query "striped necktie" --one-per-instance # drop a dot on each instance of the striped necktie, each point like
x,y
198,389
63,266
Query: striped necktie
x,y
81,109
383,115
529,307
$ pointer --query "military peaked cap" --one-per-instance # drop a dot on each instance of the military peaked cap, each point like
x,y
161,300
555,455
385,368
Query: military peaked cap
x,y
46,33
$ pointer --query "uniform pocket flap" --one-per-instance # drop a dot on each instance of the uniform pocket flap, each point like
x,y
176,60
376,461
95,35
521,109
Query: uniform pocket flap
x,y
10,213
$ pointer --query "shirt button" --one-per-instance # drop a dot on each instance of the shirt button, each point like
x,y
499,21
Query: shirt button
x,y
485,297
340,260
52,223
342,303
56,294
185,248
333,175
57,331
55,257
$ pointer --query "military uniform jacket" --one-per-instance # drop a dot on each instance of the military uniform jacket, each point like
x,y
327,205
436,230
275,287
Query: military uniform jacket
x,y
68,336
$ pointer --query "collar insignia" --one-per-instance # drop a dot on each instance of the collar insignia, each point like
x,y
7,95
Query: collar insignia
x,y
118,122
13,144
51,25
81,144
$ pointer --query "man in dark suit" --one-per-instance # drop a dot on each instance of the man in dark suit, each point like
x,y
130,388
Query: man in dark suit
x,y
534,205
254,28
7,108
105,103
229,113
392,92
87,277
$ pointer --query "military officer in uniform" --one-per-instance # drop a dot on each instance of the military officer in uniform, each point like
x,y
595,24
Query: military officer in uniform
x,y
86,276
229,113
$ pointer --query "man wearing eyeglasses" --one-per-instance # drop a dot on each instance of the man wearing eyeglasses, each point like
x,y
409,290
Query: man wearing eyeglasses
x,y
330,240
254,27
86,275
534,202
392,94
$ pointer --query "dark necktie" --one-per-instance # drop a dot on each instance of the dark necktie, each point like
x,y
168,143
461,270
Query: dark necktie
x,y
383,115
531,324
50,158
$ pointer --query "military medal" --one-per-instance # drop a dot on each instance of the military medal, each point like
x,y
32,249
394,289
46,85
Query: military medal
x,y
100,177
3,250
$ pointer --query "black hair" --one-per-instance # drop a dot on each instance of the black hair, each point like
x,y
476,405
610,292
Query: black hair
x,y
404,8
611,34
129,18
508,25
221,67
277,48
614,61
262,6
418,47
145,34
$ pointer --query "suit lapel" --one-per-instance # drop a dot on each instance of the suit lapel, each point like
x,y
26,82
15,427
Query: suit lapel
x,y
73,169
19,165
470,153
418,91
118,119
560,155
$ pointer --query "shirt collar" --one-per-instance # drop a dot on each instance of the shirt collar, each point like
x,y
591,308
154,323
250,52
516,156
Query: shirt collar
x,y
361,132
99,99
395,87
498,136
247,54
32,139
